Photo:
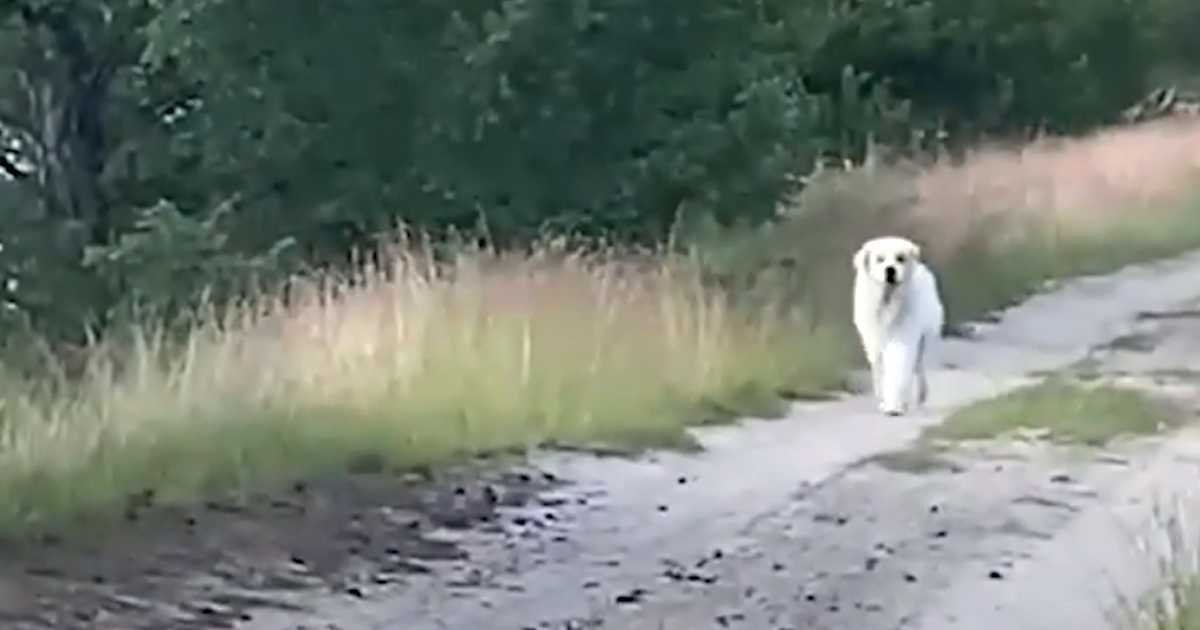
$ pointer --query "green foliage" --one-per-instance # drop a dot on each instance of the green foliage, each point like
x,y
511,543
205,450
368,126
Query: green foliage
x,y
325,124
170,259
589,116
971,67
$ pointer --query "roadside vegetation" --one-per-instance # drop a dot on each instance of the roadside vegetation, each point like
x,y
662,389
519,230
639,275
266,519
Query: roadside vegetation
x,y
1058,409
1091,414
1177,609
1175,604
413,360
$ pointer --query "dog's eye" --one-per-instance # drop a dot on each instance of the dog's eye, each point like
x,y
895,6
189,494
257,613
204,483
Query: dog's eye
x,y
900,259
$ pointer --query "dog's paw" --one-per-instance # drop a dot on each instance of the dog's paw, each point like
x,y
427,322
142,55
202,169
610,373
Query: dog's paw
x,y
891,411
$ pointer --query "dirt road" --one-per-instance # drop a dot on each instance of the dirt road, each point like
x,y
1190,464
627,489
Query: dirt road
x,y
791,524
794,523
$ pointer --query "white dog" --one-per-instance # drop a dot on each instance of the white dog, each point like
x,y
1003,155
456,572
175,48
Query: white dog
x,y
899,315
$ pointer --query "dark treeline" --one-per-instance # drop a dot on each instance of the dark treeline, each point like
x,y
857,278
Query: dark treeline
x,y
151,148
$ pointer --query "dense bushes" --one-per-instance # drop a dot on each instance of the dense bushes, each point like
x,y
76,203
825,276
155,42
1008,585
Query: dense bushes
x,y
156,147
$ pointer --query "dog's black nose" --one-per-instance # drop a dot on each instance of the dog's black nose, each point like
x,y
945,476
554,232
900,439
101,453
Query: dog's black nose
x,y
889,274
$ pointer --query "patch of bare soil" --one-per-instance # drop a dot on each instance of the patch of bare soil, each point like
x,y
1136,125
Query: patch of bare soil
x,y
215,565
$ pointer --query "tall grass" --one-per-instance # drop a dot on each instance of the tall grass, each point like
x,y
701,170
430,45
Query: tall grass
x,y
410,362
1174,604
995,224
1006,219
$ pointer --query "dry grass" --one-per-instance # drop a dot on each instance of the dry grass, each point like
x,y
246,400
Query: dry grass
x,y
1171,544
995,225
1059,208
1073,185
401,366
413,363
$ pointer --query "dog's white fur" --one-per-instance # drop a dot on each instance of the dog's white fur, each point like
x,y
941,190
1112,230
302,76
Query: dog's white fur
x,y
899,314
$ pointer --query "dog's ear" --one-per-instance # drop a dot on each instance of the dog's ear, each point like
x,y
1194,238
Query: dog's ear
x,y
861,259
916,252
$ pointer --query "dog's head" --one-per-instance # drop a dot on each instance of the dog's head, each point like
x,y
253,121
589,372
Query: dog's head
x,y
887,260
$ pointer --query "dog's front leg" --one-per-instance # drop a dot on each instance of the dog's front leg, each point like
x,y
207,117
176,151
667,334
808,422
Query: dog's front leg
x,y
872,352
877,376
920,373
899,363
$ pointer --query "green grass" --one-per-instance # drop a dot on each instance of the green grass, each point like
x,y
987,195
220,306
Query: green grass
x,y
1087,413
1091,414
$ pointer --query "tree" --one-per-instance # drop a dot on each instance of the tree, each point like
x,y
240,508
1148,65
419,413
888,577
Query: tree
x,y
66,95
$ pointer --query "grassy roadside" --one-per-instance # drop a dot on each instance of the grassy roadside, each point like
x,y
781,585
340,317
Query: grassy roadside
x,y
1175,603
418,364
1177,609
995,226
1056,409
412,365
1090,414
979,279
